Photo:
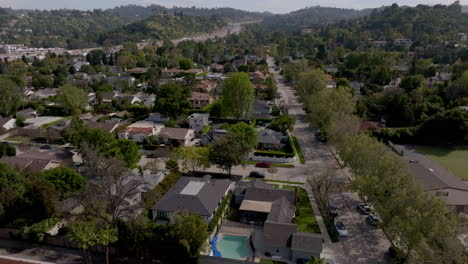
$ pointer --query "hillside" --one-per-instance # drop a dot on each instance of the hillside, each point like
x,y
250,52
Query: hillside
x,y
426,24
311,16
134,12
164,26
79,29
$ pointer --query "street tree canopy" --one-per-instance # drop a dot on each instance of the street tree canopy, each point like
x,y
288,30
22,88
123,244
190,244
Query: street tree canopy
x,y
72,99
238,95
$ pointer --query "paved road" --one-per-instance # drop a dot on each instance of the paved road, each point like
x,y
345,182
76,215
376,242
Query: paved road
x,y
365,244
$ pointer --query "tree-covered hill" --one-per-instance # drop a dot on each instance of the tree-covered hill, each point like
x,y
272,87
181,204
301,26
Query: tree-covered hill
x,y
421,23
78,29
164,26
135,12
311,16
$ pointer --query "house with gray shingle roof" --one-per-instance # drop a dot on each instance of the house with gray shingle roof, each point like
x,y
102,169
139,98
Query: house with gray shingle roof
x,y
200,196
269,139
262,205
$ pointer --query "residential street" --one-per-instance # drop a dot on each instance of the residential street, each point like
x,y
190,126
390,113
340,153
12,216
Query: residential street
x,y
365,244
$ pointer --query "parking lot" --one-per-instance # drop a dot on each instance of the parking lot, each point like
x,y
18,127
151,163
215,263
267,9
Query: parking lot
x,y
365,243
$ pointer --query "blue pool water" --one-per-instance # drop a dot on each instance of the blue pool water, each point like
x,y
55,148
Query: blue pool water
x,y
233,247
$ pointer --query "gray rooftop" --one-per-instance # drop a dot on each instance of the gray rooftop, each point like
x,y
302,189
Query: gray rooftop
x,y
196,195
309,242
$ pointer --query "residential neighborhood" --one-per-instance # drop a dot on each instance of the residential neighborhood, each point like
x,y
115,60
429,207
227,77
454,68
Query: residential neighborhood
x,y
153,134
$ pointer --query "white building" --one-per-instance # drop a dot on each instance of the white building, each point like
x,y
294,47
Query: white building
x,y
198,121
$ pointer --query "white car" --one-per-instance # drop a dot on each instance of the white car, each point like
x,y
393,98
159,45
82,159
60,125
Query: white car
x,y
341,229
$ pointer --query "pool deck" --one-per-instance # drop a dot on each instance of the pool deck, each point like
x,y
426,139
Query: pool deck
x,y
238,231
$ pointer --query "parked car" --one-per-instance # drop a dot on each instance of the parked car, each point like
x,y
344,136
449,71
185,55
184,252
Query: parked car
x,y
341,229
332,210
263,165
373,219
46,147
320,137
152,156
364,208
257,174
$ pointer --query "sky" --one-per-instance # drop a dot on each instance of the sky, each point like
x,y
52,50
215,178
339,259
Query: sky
x,y
274,6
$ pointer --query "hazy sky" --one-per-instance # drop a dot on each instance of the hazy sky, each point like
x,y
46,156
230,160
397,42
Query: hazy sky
x,y
275,6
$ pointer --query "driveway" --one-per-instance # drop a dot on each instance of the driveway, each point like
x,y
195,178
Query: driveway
x,y
365,244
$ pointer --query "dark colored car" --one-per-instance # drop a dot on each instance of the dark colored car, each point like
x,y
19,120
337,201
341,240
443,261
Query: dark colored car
x,y
332,210
257,174
46,147
364,208
152,156
263,165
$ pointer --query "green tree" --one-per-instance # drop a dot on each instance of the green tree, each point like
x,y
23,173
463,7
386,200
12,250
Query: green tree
x,y
310,82
326,103
193,157
7,150
84,234
72,99
66,180
414,82
282,123
244,134
186,64
238,95
227,152
105,236
129,151
314,260
171,100
191,233
11,98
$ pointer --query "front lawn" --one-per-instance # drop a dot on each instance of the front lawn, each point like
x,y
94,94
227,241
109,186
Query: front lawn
x,y
452,158
305,218
18,139
297,149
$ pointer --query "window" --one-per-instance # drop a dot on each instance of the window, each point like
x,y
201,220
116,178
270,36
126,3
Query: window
x,y
162,215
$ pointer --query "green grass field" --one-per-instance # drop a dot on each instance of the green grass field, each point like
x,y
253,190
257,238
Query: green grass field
x,y
454,159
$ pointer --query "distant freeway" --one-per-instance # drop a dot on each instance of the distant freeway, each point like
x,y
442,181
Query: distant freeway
x,y
231,28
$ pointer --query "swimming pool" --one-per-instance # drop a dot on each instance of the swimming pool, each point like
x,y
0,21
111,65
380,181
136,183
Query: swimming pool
x,y
233,247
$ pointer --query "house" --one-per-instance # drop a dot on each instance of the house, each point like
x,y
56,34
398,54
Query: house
x,y
137,134
40,160
157,118
147,99
41,120
200,100
106,126
176,136
118,116
201,196
6,124
261,108
252,58
403,42
441,77
26,113
168,73
205,86
331,69
270,139
138,71
107,97
55,132
260,204
44,94
198,121
436,179
140,130
257,77
79,64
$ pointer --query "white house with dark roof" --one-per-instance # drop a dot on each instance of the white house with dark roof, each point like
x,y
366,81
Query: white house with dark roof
x,y
181,136
201,196
198,121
